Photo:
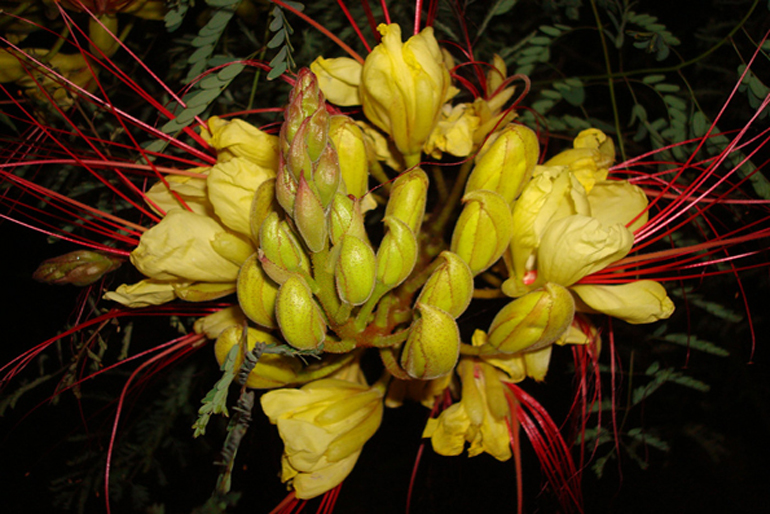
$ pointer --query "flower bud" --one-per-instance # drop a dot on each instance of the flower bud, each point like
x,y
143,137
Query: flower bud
x,y
286,188
407,198
257,293
280,245
299,317
271,370
397,253
304,100
483,230
262,205
533,321
309,217
348,139
345,218
504,165
433,346
100,34
326,176
355,270
79,268
450,286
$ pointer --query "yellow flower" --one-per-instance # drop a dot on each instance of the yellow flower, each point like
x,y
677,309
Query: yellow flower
x,y
231,188
453,132
404,86
237,138
191,189
180,247
142,294
324,426
479,418
339,79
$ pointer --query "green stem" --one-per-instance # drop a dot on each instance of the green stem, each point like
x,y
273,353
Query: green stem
x,y
610,81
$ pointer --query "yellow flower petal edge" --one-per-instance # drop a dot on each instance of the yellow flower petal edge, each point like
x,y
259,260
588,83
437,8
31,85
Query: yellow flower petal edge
x,y
639,302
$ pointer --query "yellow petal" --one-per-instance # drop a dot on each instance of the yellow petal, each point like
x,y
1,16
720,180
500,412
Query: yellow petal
x,y
339,79
181,188
179,247
578,245
237,138
644,301
618,201
231,188
142,294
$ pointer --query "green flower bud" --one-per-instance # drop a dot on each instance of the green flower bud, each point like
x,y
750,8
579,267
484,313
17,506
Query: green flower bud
x,y
280,245
326,176
348,139
345,218
505,164
262,205
407,198
355,270
285,188
483,231
257,293
79,268
309,217
304,100
397,254
317,133
450,286
433,346
299,317
534,321
298,159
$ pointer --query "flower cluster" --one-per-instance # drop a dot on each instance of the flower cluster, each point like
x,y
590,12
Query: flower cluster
x,y
282,221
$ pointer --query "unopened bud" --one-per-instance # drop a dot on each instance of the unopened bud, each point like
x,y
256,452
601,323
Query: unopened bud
x,y
257,293
534,321
309,217
345,218
433,346
505,164
407,198
397,253
450,286
285,188
483,230
326,175
79,268
299,317
348,139
280,245
355,270
262,205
